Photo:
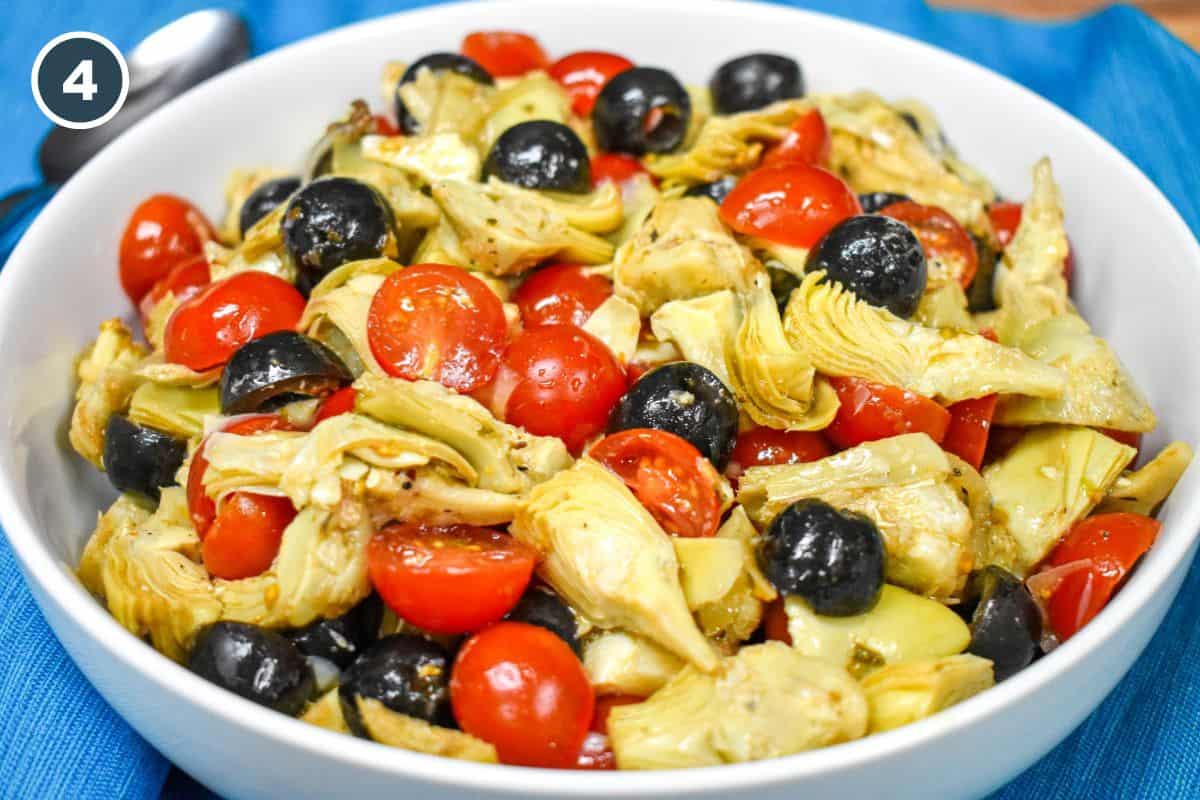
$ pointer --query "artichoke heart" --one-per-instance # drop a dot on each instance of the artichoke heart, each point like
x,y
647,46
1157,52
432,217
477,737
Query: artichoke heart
x,y
1050,480
240,184
438,156
446,102
608,558
107,373
400,178
434,496
765,702
260,250
337,316
409,733
904,693
533,96
178,410
616,322
1144,490
326,712
121,519
639,196
155,367
992,542
622,663
845,336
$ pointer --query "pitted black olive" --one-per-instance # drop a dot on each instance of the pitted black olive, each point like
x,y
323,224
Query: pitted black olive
x,y
684,399
408,674
833,559
754,81
715,191
783,283
541,606
334,220
1006,626
256,663
342,639
642,110
874,201
139,459
279,364
540,154
878,258
264,200
437,62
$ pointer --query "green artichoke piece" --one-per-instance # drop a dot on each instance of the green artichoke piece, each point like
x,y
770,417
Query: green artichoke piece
x,y
534,96
107,376
1144,490
623,663
902,693
177,410
326,712
409,733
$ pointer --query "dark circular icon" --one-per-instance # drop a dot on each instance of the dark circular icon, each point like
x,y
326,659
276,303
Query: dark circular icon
x,y
80,80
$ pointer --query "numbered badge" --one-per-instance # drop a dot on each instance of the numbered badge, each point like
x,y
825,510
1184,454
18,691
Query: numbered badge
x,y
80,80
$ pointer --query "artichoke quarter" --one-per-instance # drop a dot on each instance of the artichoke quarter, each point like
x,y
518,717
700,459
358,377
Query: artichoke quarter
x,y
904,693
1144,490
107,379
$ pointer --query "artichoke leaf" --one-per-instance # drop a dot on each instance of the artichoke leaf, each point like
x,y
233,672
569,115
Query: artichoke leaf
x,y
639,196
616,322
338,316
446,102
121,519
411,208
433,496
533,96
326,712
261,249
437,156
737,526
340,276
240,184
107,374
410,733
617,662
708,568
991,541
900,694
945,307
178,410
156,368
1144,490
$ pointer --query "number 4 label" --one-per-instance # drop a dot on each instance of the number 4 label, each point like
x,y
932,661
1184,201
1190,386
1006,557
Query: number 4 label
x,y
80,81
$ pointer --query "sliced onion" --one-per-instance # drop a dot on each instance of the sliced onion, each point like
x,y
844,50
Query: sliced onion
x,y
1043,584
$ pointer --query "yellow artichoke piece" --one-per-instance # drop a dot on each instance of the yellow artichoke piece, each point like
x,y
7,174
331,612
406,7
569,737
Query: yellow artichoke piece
x,y
732,618
726,594
533,96
1050,480
422,157
708,568
639,195
1144,490
121,519
240,184
326,713
261,250
623,663
155,368
438,156
737,526
340,276
845,336
902,627
337,316
177,410
445,102
433,496
945,307
409,733
155,324
616,322
107,376
765,702
607,557
991,541
903,693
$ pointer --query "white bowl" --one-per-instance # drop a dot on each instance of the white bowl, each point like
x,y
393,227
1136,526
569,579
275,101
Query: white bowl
x,y
1137,282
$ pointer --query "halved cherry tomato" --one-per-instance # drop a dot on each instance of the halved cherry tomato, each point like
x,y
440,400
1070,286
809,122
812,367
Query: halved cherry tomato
x,y
1006,218
384,126
792,204
775,622
1113,543
561,294
596,752
940,235
970,423
567,382
606,703
450,578
336,404
437,322
521,688
616,167
584,74
676,484
764,447
208,327
183,281
201,507
162,232
244,539
806,142
505,53
871,411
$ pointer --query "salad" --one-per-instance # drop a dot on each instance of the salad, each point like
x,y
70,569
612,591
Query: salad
x,y
563,415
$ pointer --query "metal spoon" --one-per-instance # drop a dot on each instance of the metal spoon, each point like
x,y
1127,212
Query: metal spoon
x,y
165,64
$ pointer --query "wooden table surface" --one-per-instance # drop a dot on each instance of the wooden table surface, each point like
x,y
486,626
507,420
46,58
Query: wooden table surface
x,y
1182,17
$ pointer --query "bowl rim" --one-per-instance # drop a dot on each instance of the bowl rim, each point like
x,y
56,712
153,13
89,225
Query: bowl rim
x,y
56,584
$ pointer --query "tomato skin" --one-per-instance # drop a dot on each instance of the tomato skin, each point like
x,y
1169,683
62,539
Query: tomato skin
x,y
792,204
605,704
163,231
561,294
384,125
183,281
764,447
1113,543
567,382
336,404
807,142
872,411
676,484
206,329
450,578
1006,218
970,423
616,167
596,753
584,74
775,622
521,688
504,53
244,538
940,236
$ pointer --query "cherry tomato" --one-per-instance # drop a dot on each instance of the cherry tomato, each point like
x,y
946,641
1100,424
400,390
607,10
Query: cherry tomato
x,y
567,382
806,142
183,281
560,294
792,204
244,539
336,404
1006,218
208,327
942,238
521,688
437,322
871,411
616,167
970,423
775,622
764,447
384,126
504,53
451,578
605,704
584,74
162,232
201,507
676,484
596,753
1113,543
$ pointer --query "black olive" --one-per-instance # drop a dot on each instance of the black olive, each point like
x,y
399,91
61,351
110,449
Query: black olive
x,y
256,663
406,673
342,639
265,199
715,191
622,114
754,81
980,294
334,220
1006,625
284,363
833,559
541,606
540,154
783,283
910,119
874,201
437,62
878,258
684,399
139,459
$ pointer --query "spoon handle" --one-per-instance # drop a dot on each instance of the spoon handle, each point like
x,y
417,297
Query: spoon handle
x,y
19,210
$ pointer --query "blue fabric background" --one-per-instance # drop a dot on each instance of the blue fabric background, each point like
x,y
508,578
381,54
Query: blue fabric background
x,y
1118,71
